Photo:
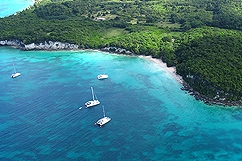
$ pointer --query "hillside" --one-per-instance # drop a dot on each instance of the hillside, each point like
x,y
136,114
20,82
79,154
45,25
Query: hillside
x,y
202,38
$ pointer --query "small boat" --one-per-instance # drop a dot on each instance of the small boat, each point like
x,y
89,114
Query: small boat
x,y
102,76
15,74
94,100
103,120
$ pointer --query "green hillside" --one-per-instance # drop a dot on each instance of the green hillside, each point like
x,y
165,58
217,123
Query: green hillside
x,y
202,38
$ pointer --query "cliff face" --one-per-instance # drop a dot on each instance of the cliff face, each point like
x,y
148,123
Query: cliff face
x,y
42,46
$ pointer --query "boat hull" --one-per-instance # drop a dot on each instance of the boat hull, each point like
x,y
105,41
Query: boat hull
x,y
103,121
102,76
92,103
15,75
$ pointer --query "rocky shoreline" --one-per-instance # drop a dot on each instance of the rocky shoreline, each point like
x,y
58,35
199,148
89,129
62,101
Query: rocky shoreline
x,y
207,100
41,46
67,46
198,96
117,50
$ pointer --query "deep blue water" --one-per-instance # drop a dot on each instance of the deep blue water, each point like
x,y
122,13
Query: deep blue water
x,y
152,118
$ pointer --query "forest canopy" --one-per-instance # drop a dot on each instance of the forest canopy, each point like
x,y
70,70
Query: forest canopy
x,y
202,38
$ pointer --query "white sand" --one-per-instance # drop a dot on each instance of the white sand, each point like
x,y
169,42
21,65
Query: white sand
x,y
170,70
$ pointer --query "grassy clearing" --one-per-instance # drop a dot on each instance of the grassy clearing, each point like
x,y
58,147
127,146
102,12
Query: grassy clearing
x,y
114,32
169,25
134,21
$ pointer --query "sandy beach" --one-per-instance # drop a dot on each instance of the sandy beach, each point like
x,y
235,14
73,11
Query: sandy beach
x,y
160,63
197,95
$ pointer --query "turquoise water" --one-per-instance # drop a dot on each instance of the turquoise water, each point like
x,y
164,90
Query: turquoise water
x,y
152,118
9,7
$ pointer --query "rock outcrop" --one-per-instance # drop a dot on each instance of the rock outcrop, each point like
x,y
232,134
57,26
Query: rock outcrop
x,y
117,50
42,46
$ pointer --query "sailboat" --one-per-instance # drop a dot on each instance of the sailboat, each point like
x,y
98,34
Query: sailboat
x,y
103,120
15,74
94,100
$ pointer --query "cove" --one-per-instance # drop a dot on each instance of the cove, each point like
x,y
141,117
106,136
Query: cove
x,y
152,118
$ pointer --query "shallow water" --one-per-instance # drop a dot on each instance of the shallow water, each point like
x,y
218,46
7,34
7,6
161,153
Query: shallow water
x,y
9,7
152,118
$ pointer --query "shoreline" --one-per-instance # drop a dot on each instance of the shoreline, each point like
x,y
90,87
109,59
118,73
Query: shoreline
x,y
170,70
185,86
189,89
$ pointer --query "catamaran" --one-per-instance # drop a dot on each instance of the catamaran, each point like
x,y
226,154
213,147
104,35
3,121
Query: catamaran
x,y
102,76
103,120
15,74
94,100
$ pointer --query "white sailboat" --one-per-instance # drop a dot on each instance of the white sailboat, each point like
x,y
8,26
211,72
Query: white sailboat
x,y
103,120
94,100
102,76
15,74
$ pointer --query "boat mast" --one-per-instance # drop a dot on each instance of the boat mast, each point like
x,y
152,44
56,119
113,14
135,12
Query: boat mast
x,y
103,112
14,68
92,94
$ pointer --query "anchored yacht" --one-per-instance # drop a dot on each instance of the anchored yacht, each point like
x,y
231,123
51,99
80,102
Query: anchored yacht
x,y
94,100
103,120
102,76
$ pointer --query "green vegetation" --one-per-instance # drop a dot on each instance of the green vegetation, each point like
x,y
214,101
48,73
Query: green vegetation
x,y
211,62
202,38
